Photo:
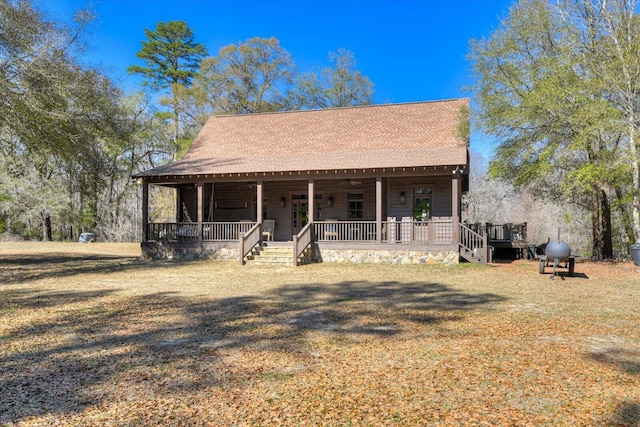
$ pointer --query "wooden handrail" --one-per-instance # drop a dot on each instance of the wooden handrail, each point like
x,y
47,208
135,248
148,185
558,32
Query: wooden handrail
x,y
301,240
471,241
248,241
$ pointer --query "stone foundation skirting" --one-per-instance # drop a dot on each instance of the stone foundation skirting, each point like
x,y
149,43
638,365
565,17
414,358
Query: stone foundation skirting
x,y
229,252
381,256
190,250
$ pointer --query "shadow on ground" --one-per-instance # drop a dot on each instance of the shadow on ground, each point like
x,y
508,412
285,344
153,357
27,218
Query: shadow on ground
x,y
16,269
627,414
624,359
97,345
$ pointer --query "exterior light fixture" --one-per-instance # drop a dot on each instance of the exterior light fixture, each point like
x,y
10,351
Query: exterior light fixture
x,y
330,202
403,198
283,202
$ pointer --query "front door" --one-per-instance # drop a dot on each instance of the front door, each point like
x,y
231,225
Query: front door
x,y
421,204
300,211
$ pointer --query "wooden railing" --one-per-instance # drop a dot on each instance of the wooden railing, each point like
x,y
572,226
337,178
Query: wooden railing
x,y
420,232
301,240
247,241
188,231
173,231
220,231
504,232
405,231
474,244
345,231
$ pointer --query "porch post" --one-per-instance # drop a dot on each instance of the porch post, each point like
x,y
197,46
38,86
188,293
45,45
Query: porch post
x,y
259,198
312,206
200,188
456,189
178,204
211,204
145,211
378,209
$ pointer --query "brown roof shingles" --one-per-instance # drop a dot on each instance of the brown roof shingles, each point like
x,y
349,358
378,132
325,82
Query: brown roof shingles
x,y
392,135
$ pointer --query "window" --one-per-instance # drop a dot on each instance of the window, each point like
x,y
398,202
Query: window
x,y
355,206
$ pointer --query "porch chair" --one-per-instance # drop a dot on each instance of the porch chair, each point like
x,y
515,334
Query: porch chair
x,y
268,227
331,229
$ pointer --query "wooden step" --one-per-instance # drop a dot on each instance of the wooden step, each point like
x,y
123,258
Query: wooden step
x,y
470,256
274,255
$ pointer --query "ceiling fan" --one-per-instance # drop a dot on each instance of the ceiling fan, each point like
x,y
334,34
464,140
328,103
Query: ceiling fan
x,y
350,181
248,184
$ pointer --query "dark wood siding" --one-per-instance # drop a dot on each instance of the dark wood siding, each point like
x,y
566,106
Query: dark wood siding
x,y
440,197
236,201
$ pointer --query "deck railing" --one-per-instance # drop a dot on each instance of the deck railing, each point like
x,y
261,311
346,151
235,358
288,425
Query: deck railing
x,y
505,232
405,231
188,231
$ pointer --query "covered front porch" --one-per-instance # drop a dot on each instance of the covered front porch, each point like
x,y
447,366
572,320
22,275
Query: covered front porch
x,y
400,212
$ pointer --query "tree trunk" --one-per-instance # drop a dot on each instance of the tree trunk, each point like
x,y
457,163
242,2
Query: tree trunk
x,y
635,179
176,118
625,216
47,235
601,225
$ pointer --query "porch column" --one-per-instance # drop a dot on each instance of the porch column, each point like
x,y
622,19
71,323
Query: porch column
x,y
200,210
145,211
178,204
259,201
456,189
312,206
211,204
378,209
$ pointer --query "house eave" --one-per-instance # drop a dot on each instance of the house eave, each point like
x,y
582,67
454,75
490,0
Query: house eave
x,y
169,179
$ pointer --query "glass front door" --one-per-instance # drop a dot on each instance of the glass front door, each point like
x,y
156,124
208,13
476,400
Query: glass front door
x,y
300,211
421,204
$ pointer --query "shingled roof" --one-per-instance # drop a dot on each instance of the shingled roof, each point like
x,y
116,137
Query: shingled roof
x,y
379,136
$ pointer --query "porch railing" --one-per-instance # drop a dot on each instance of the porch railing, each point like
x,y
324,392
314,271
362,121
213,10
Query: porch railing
x,y
173,231
405,231
301,240
248,241
188,231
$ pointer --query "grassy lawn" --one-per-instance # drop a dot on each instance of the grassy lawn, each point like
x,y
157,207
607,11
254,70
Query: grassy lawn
x,y
90,335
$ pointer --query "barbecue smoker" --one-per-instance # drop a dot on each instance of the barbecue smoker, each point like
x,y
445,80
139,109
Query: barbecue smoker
x,y
557,252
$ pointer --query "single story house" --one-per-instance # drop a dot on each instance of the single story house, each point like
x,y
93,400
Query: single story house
x,y
378,183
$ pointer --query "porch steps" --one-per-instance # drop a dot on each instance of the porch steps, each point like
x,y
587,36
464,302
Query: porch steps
x,y
266,254
470,256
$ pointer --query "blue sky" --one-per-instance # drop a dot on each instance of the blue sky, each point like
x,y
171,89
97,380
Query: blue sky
x,y
412,50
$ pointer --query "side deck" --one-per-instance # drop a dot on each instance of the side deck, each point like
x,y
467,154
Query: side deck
x,y
506,239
